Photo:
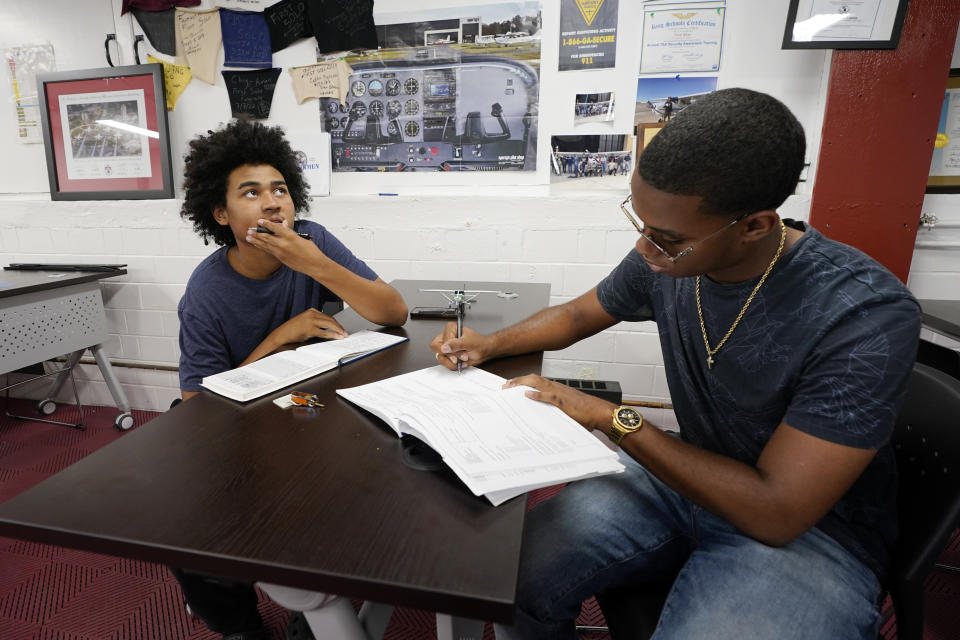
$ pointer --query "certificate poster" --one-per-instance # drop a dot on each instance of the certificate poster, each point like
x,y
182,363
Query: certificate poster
x,y
845,20
682,39
588,34
105,135
945,163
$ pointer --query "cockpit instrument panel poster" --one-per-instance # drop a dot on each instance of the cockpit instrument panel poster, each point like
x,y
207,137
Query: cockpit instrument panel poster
x,y
588,34
452,88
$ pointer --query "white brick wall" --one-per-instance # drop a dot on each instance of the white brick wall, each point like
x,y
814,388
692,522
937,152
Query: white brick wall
x,y
509,239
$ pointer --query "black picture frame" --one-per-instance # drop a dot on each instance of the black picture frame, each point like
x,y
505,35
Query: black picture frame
x,y
936,182
105,133
884,40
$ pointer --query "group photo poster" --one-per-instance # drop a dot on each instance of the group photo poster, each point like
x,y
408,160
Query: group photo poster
x,y
591,162
588,34
451,88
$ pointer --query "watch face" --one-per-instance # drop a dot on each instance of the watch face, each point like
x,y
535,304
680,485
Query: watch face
x,y
628,417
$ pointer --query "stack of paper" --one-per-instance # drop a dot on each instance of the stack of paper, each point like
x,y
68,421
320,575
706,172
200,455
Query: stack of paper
x,y
283,368
498,441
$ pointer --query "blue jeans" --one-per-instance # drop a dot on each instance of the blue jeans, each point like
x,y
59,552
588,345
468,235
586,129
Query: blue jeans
x,y
629,528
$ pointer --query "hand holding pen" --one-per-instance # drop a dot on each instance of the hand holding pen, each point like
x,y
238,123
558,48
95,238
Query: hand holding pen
x,y
459,346
287,245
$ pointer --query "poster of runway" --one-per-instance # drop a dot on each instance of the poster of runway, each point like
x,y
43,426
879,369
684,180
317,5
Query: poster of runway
x,y
105,134
588,34
682,39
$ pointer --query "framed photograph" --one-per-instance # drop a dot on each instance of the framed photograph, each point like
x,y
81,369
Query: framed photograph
x,y
844,24
944,174
105,133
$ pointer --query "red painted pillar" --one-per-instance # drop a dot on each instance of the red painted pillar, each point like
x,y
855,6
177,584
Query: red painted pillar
x,y
878,129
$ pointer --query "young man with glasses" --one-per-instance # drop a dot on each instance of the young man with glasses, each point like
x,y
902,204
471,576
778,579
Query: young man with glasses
x,y
787,356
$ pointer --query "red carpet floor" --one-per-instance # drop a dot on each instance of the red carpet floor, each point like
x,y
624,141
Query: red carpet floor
x,y
55,593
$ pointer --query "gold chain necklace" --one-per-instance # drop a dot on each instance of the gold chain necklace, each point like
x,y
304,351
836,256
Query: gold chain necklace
x,y
746,305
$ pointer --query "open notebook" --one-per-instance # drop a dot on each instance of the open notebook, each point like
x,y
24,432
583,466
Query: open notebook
x,y
499,442
284,368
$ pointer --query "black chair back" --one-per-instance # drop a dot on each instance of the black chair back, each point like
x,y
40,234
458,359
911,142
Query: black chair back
x,y
926,443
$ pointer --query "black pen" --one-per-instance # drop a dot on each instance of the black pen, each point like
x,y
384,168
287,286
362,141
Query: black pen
x,y
259,229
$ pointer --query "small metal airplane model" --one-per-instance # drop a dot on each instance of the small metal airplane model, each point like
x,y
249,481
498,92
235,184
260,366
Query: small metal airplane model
x,y
459,300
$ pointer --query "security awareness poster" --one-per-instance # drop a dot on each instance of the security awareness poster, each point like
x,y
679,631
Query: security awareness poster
x,y
588,34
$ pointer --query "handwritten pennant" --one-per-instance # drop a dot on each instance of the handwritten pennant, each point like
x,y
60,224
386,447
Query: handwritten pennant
x,y
175,80
199,36
156,5
251,92
158,27
341,25
322,80
246,39
287,22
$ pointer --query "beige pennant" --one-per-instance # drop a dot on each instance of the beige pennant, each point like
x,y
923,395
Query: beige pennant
x,y
175,80
198,32
321,80
589,9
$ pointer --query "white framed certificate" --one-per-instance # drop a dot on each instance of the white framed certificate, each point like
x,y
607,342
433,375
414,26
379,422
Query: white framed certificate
x,y
844,24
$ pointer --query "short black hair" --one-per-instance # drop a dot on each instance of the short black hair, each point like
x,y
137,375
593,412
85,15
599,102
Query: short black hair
x,y
740,150
212,157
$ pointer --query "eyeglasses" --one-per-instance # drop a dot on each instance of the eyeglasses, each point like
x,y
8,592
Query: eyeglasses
x,y
627,207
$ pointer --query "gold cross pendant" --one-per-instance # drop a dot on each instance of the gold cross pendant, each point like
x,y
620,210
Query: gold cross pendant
x,y
709,361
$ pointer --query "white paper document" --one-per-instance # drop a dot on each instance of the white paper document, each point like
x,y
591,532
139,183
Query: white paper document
x,y
284,368
498,441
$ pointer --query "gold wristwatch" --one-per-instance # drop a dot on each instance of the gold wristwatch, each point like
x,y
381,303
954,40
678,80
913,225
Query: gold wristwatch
x,y
626,420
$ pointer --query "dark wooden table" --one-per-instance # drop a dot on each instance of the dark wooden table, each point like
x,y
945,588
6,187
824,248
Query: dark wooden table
x,y
942,316
316,499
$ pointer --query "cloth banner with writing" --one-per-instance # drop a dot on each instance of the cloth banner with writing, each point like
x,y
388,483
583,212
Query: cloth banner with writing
x,y
159,29
246,39
251,92
322,80
156,5
341,25
287,22
199,36
175,80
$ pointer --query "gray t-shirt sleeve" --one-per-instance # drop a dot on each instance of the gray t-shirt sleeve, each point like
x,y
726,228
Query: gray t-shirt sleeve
x,y
852,383
626,293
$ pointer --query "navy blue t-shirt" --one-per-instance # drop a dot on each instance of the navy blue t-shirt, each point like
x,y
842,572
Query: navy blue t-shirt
x,y
224,315
826,346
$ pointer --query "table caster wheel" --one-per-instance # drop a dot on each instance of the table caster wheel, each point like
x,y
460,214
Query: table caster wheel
x,y
46,407
123,422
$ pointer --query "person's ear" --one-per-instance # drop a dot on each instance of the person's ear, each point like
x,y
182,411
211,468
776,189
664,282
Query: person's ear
x,y
758,225
220,215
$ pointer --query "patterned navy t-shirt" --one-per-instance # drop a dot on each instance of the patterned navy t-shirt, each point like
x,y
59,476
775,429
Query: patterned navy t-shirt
x,y
826,346
224,315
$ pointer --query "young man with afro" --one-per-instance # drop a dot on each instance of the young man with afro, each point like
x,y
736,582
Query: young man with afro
x,y
786,355
257,292
260,291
